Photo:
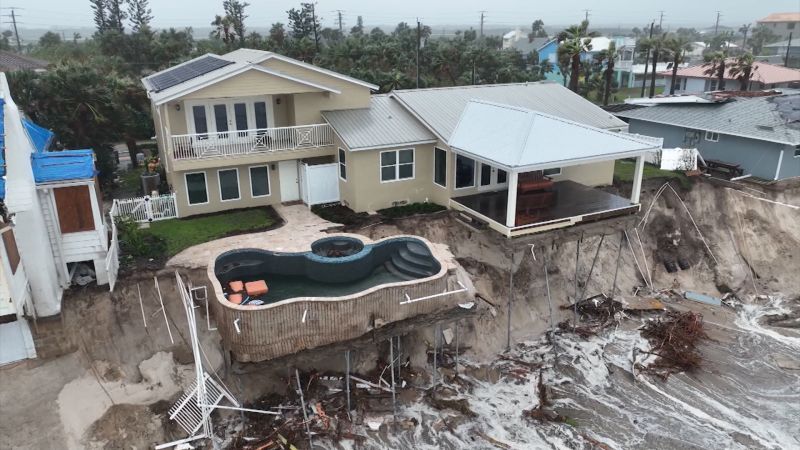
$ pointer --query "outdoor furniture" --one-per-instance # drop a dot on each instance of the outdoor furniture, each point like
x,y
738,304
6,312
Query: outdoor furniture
x,y
733,169
533,181
256,288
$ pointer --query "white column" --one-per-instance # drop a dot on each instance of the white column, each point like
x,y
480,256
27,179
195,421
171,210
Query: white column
x,y
637,179
511,206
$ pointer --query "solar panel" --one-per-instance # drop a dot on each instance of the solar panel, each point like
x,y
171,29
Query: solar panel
x,y
186,72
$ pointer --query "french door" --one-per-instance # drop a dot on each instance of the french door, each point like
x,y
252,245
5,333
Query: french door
x,y
230,118
491,178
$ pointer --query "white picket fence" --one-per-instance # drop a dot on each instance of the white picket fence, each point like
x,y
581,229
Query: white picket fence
x,y
147,208
319,183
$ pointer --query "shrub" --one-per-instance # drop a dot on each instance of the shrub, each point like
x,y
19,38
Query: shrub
x,y
411,209
138,242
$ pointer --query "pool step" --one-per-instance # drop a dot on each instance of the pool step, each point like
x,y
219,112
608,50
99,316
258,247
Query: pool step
x,y
417,249
409,268
394,271
418,261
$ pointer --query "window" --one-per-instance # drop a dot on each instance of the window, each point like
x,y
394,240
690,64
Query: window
x,y
261,114
196,188
397,165
440,167
200,124
485,178
240,116
502,176
228,184
221,118
797,151
554,172
712,137
465,172
342,165
259,181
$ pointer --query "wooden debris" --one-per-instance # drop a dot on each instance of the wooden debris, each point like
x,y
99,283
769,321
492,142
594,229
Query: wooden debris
x,y
674,340
492,440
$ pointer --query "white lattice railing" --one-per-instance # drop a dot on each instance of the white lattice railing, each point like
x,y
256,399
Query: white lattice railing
x,y
245,142
112,257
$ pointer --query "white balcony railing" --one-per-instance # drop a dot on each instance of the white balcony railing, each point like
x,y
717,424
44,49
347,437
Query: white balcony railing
x,y
247,142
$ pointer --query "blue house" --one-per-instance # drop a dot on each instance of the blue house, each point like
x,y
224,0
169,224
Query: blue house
x,y
761,134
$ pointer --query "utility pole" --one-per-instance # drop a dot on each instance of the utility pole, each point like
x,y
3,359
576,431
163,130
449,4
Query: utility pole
x,y
16,33
586,14
647,59
419,37
314,20
716,24
483,16
788,47
339,20
660,19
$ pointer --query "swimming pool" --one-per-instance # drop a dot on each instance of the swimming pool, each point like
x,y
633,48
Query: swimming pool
x,y
334,266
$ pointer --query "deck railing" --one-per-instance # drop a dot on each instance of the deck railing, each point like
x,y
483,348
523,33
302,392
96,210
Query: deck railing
x,y
246,142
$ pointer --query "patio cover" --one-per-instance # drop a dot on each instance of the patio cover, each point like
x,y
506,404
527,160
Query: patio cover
x,y
521,140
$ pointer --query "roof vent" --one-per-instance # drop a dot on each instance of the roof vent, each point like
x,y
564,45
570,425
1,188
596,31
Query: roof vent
x,y
765,127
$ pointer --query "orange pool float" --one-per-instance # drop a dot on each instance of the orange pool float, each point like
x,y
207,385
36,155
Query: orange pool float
x,y
235,299
236,286
256,288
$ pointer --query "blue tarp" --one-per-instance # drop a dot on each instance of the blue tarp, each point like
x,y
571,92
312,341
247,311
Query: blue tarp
x,y
64,165
40,136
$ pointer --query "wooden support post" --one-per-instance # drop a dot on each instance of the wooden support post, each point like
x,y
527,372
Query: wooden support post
x,y
616,270
347,379
638,172
511,205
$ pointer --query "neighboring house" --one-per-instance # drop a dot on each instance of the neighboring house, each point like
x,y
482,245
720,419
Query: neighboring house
x,y
261,129
512,37
784,49
782,24
760,134
14,62
56,220
693,79
548,50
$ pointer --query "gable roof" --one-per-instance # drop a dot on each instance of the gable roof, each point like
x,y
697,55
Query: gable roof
x,y
773,119
11,62
440,108
384,124
764,72
235,63
781,17
519,138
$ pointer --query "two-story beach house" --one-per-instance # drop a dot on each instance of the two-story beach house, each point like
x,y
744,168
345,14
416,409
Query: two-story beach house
x,y
253,128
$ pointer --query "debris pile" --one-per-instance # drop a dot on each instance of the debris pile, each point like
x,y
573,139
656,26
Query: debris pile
x,y
673,341
596,313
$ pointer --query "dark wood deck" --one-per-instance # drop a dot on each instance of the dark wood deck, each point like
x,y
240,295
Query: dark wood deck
x,y
571,200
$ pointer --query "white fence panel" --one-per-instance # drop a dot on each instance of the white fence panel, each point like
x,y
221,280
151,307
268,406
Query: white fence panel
x,y
320,183
112,257
147,208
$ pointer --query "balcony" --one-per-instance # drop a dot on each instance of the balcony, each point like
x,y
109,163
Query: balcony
x,y
250,142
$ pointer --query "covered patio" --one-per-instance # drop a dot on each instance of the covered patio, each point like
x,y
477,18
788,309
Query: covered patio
x,y
525,147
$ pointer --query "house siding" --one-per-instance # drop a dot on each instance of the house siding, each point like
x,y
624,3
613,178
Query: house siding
x,y
790,166
758,158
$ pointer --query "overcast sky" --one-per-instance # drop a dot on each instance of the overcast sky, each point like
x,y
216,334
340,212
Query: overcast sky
x,y
499,13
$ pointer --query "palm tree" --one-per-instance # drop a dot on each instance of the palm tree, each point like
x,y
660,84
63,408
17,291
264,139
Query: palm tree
x,y
222,30
677,46
574,41
609,56
715,66
743,69
655,44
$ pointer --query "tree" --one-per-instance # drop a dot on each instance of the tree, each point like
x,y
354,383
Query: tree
x,y
223,30
720,41
5,40
715,66
303,22
761,36
676,46
277,36
574,41
50,39
234,10
115,19
537,30
609,56
690,34
743,69
100,14
140,15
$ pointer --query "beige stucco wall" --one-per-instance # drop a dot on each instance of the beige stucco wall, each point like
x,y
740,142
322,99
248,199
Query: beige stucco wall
x,y
250,83
246,200
363,190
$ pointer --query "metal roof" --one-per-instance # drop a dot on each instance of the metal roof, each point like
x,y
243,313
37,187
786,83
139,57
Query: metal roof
x,y
440,108
762,72
774,119
384,124
185,72
11,62
519,138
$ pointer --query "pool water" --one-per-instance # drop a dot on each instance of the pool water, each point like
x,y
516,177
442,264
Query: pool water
x,y
282,287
